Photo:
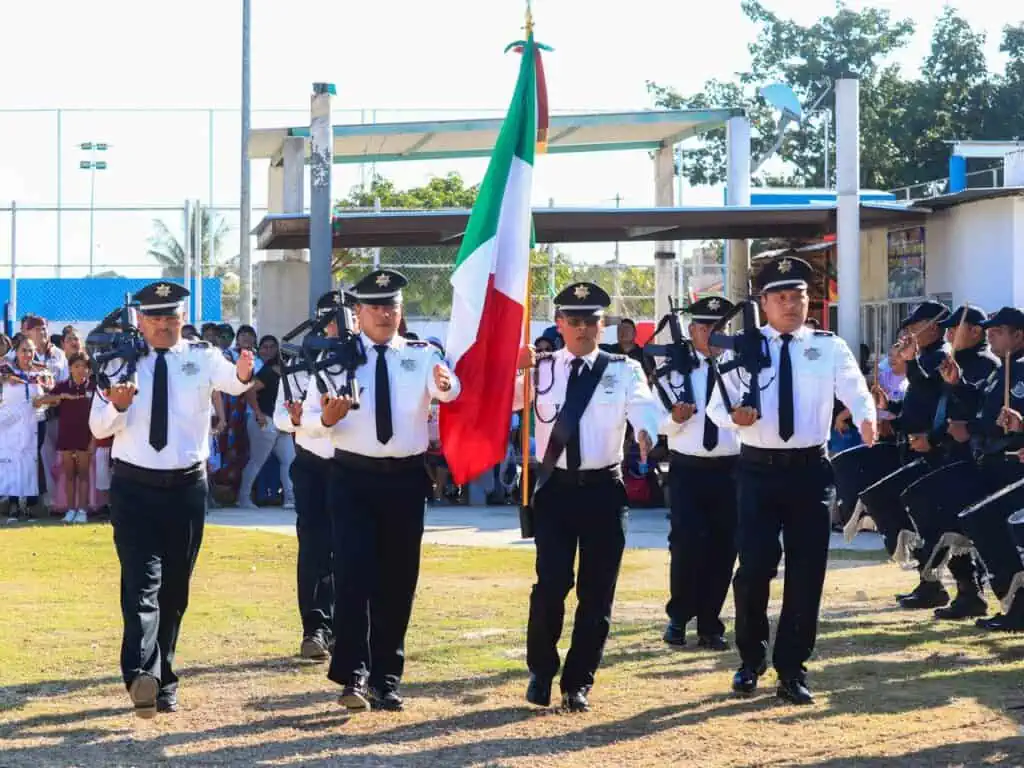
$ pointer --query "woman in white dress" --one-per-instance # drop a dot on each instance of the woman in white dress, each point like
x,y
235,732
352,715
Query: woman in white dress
x,y
22,388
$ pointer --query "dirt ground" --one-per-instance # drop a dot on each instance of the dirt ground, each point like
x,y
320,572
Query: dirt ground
x,y
893,687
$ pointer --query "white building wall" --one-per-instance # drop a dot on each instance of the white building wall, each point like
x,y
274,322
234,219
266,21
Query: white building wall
x,y
975,251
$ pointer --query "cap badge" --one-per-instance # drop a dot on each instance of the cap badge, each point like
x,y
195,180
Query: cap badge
x,y
714,304
163,290
785,265
383,280
581,292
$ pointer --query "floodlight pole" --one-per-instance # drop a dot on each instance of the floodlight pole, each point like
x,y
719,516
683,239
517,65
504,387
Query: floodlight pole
x,y
848,209
321,163
737,252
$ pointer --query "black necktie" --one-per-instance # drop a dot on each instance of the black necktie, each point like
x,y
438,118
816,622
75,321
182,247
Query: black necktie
x,y
785,389
158,415
382,391
710,428
572,447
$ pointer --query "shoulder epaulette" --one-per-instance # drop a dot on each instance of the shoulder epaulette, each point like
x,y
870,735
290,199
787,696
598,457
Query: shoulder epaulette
x,y
199,344
824,333
617,358
417,343
545,355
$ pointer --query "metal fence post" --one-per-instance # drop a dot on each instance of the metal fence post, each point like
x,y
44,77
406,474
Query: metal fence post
x,y
187,246
14,259
199,233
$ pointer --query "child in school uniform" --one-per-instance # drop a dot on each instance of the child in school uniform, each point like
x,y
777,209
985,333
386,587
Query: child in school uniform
x,y
22,389
75,445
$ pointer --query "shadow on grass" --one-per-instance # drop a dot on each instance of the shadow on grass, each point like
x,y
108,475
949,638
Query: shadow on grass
x,y
1002,752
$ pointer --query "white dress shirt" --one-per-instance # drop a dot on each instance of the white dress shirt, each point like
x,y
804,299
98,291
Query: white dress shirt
x,y
688,437
194,371
621,395
411,383
321,445
823,368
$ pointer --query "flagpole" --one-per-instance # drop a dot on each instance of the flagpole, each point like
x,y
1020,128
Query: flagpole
x,y
524,421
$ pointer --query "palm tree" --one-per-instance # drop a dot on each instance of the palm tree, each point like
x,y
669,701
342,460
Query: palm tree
x,y
170,254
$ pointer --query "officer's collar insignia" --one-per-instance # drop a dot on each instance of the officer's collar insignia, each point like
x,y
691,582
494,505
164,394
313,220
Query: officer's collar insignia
x,y
812,353
189,368
383,280
785,265
1018,390
408,364
581,292
714,304
163,290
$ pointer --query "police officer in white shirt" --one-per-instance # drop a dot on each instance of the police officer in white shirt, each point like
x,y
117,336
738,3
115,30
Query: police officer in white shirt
x,y
784,475
703,490
583,398
161,426
310,474
379,486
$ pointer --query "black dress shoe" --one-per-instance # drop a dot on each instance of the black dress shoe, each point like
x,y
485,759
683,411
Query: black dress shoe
x,y
576,700
1013,621
143,692
966,605
388,700
355,696
744,682
315,646
929,594
713,642
794,690
167,702
675,635
539,691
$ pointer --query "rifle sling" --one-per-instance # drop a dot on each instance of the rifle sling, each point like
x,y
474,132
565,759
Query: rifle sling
x,y
568,420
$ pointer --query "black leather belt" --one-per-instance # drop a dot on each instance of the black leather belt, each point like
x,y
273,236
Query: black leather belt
x,y
382,465
702,462
160,478
783,457
307,455
587,476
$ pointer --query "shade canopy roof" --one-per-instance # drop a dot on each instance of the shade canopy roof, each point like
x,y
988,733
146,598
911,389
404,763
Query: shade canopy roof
x,y
369,229
446,139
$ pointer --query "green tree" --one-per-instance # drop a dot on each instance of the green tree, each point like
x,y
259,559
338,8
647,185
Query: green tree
x,y
170,253
429,269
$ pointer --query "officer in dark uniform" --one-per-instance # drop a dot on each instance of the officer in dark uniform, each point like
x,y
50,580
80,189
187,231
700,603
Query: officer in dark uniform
x,y
703,491
784,476
584,396
923,348
997,436
378,491
310,474
161,427
934,501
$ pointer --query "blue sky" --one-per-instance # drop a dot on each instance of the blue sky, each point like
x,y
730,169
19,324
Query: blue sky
x,y
401,55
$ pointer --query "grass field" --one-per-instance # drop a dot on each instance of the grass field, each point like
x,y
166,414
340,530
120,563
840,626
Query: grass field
x,y
894,687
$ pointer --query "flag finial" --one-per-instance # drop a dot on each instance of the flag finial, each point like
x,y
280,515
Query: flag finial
x,y
529,19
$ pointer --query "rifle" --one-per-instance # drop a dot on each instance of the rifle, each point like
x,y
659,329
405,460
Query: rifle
x,y
318,353
749,349
679,356
125,344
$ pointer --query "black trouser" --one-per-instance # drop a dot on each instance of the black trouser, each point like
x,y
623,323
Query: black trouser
x,y
702,540
986,525
568,515
157,533
311,480
378,529
887,508
793,501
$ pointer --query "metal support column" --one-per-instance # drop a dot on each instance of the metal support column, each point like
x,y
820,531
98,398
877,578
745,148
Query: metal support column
x,y
321,147
245,193
737,252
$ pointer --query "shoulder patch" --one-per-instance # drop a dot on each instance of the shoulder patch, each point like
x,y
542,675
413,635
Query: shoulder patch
x,y
824,333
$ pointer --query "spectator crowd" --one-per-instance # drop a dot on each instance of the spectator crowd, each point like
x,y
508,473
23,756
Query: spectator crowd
x,y
51,466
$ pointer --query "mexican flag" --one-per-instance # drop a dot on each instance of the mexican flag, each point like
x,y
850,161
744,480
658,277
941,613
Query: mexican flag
x,y
490,285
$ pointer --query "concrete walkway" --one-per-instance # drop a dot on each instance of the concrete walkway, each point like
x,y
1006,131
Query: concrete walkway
x,y
496,527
